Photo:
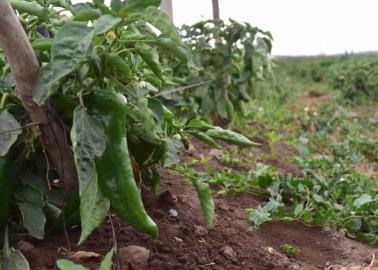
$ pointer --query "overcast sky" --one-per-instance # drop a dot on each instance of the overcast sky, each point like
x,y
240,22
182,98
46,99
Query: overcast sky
x,y
299,27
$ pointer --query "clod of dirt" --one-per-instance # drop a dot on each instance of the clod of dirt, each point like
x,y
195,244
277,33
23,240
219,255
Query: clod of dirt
x,y
25,247
228,253
200,231
133,258
215,153
166,200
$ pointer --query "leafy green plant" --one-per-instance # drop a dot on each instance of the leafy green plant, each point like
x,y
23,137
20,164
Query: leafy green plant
x,y
97,69
329,194
230,59
357,80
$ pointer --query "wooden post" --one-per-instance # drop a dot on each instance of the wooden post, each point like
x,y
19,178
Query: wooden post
x,y
167,7
216,10
24,67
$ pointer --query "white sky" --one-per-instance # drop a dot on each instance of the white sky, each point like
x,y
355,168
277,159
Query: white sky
x,y
299,27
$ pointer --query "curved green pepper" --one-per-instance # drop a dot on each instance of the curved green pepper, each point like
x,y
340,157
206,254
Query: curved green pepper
x,y
119,65
114,168
174,48
32,8
151,57
42,44
4,100
5,191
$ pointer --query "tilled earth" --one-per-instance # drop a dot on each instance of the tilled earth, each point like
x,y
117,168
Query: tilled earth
x,y
186,242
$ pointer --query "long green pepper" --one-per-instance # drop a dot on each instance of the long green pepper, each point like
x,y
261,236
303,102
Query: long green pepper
x,y
114,168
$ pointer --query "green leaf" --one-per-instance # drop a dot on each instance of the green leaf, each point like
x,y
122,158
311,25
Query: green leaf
x,y
116,5
34,219
106,264
105,23
9,131
138,5
363,199
86,14
93,209
161,21
298,209
265,181
206,200
229,136
354,224
174,149
199,124
88,141
68,265
258,216
14,260
31,203
69,48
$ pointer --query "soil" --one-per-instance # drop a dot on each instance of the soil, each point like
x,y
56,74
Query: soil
x,y
186,242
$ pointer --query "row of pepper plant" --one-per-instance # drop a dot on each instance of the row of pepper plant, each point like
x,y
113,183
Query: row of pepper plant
x,y
230,60
100,75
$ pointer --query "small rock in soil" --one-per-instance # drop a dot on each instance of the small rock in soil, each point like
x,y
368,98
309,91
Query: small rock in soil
x,y
202,260
200,231
228,252
173,212
133,257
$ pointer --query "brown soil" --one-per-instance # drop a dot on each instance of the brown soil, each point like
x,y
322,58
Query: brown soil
x,y
186,243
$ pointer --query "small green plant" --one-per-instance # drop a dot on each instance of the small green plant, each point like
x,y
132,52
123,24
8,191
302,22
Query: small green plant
x,y
290,250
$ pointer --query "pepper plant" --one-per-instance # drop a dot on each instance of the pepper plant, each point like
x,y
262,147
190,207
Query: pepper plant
x,y
99,78
229,60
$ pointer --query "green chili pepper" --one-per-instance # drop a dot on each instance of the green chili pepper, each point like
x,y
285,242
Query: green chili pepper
x,y
42,44
32,8
229,136
206,139
174,48
114,168
5,191
150,55
119,65
4,100
154,80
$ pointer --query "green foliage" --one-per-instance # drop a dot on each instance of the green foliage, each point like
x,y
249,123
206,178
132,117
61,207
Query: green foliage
x,y
323,139
290,250
354,76
98,50
229,61
11,259
357,80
